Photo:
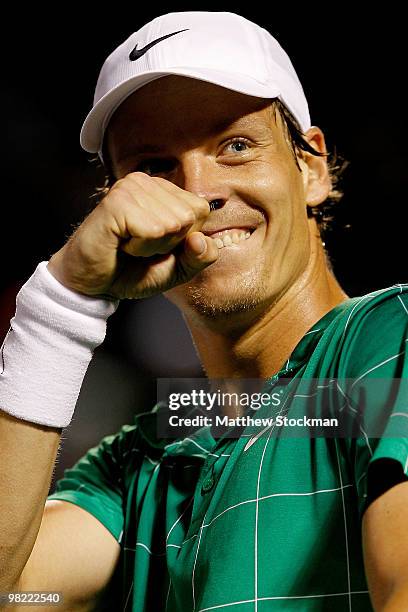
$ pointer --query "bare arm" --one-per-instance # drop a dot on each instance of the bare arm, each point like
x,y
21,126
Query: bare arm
x,y
141,217
52,548
27,458
385,543
74,554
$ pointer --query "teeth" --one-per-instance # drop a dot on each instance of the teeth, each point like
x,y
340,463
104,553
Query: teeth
x,y
229,237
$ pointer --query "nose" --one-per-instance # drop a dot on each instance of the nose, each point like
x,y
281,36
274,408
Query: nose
x,y
199,174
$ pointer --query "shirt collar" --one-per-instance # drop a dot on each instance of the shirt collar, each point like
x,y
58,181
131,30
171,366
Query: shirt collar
x,y
147,421
305,347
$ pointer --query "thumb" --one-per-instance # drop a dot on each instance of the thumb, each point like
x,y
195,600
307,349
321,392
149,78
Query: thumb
x,y
199,252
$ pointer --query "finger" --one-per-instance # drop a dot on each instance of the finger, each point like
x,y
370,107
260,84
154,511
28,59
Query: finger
x,y
156,185
199,252
148,233
150,237
169,209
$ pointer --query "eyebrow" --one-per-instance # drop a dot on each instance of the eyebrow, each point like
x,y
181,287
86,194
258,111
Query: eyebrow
x,y
217,128
225,124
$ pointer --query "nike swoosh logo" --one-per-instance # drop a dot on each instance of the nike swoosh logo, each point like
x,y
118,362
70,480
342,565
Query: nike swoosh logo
x,y
135,54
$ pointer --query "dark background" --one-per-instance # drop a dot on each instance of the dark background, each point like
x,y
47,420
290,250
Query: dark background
x,y
353,70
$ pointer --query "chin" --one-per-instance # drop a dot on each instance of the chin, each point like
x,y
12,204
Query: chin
x,y
219,298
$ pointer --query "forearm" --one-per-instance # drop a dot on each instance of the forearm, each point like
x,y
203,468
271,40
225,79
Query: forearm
x,y
397,601
43,362
27,458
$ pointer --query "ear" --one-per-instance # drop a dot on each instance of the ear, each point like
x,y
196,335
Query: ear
x,y
316,179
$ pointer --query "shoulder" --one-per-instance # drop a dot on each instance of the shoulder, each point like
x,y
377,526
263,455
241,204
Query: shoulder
x,y
373,331
117,453
116,445
385,305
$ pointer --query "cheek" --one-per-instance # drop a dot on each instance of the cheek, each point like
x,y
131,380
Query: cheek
x,y
277,187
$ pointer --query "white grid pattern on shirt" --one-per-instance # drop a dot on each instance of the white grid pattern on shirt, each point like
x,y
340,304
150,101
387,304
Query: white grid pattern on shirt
x,y
127,598
369,296
258,499
345,524
195,562
245,601
262,498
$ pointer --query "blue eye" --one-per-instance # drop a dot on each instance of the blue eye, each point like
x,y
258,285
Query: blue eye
x,y
239,146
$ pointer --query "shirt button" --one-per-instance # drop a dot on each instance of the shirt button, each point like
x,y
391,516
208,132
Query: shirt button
x,y
208,484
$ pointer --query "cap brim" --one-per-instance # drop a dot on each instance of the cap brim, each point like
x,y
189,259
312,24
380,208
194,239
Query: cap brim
x,y
97,120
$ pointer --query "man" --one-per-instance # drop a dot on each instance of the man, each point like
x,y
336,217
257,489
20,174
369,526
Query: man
x,y
209,205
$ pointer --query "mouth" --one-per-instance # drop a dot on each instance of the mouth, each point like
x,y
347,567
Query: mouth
x,y
230,236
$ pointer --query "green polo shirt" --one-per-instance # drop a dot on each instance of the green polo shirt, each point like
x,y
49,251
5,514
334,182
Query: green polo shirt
x,y
255,523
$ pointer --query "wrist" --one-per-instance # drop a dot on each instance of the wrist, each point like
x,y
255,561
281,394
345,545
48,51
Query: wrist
x,y
48,348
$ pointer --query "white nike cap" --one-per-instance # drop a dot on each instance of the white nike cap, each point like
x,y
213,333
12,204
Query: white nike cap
x,y
218,47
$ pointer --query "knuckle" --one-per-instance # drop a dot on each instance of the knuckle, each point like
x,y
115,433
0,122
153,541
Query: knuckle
x,y
174,226
139,177
202,206
164,182
156,231
118,184
187,217
205,204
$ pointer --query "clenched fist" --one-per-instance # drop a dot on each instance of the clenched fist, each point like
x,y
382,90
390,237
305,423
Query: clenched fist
x,y
143,238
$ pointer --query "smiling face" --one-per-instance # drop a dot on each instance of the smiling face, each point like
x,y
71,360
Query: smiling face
x,y
226,146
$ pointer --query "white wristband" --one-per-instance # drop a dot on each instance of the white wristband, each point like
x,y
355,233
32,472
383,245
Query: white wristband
x,y
47,350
